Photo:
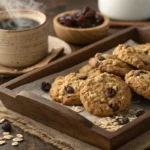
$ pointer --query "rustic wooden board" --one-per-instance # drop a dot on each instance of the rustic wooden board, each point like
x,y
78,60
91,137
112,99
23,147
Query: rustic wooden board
x,y
30,142
56,115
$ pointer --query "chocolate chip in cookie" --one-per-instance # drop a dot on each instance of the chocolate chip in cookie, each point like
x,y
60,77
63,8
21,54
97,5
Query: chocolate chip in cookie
x,y
82,78
114,107
69,89
101,58
110,92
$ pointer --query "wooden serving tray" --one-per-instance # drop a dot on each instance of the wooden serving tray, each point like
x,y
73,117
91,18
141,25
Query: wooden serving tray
x,y
128,23
65,120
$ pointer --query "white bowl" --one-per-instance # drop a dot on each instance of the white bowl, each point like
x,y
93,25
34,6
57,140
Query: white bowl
x,y
126,10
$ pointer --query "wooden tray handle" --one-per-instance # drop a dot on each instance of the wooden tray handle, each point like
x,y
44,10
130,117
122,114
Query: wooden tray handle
x,y
40,109
54,115
145,29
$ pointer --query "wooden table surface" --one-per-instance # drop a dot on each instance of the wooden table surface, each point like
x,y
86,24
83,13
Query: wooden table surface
x,y
54,7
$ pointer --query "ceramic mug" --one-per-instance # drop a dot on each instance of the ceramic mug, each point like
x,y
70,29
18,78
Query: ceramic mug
x,y
126,10
22,48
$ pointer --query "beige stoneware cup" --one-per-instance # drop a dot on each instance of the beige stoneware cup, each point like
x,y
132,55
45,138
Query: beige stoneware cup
x,y
22,48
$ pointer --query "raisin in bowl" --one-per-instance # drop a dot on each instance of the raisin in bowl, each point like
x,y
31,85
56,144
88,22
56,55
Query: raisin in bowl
x,y
82,33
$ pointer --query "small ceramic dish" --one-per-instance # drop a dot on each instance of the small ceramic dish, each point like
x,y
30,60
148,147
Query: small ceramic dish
x,y
80,35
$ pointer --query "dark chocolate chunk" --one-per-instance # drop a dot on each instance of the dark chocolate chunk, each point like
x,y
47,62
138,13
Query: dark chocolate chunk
x,y
110,92
122,121
139,113
82,78
6,126
114,107
101,58
69,89
45,86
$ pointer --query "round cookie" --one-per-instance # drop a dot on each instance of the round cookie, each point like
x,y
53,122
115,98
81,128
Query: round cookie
x,y
143,47
86,68
66,89
139,81
132,56
89,70
105,94
109,63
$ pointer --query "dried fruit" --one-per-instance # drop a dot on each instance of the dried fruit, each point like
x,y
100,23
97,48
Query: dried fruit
x,y
139,113
140,72
45,86
145,62
101,58
85,18
69,89
6,127
97,64
110,92
122,121
83,78
146,52
114,107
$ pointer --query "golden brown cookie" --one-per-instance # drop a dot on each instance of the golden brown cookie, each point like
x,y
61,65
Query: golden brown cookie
x,y
132,56
89,70
109,63
105,94
139,81
66,89
143,47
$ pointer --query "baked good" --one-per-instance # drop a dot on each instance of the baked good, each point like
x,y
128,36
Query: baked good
x,y
89,70
105,94
139,81
86,69
143,47
132,56
109,63
66,89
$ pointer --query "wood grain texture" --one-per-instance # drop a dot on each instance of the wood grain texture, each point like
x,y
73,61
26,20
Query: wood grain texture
x,y
37,107
73,59
129,23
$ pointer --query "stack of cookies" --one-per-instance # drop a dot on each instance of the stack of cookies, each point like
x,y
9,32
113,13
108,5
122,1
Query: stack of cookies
x,y
100,87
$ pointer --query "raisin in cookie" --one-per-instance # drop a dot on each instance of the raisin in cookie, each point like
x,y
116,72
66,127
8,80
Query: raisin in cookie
x,y
105,94
133,57
66,89
143,47
110,63
139,81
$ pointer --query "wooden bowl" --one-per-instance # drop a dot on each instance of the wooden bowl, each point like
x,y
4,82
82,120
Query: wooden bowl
x,y
78,35
22,48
